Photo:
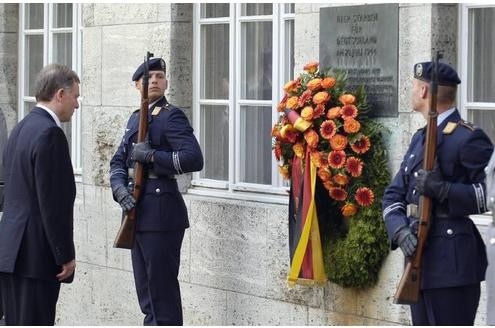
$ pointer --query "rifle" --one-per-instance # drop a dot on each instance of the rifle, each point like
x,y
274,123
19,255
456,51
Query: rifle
x,y
410,283
127,232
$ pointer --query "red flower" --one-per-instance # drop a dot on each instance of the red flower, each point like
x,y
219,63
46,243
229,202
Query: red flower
x,y
318,111
306,95
278,152
324,174
291,86
336,159
328,185
338,193
361,145
328,129
354,166
349,209
349,111
282,104
364,196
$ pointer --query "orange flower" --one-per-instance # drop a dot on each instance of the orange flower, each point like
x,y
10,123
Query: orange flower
x,y
306,95
276,131
334,112
316,159
351,125
324,174
336,159
328,185
328,82
349,111
354,166
284,171
347,99
338,142
328,129
349,209
314,84
311,138
292,102
282,104
278,152
291,86
298,149
318,111
307,113
361,145
364,196
311,67
338,193
321,97
341,179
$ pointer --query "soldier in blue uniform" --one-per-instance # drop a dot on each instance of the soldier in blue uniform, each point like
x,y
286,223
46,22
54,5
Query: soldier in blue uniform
x,y
454,261
171,149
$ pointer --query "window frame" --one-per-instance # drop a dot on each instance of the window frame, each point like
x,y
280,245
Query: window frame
x,y
464,104
233,188
48,32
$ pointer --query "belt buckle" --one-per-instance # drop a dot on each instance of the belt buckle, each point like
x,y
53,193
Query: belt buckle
x,y
412,210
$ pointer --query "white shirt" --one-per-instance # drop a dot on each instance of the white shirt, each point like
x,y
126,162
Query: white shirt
x,y
52,114
444,115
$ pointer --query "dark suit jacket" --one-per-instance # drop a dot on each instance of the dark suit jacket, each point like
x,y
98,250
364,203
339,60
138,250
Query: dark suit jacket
x,y
36,230
455,253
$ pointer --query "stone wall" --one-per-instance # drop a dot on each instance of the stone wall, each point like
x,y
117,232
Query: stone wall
x,y
235,255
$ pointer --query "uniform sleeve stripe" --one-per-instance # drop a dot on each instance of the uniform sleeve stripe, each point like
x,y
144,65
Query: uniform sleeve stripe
x,y
118,172
178,163
393,207
480,198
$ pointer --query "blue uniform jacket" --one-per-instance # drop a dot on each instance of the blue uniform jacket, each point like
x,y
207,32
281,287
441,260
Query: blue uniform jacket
x,y
455,254
161,206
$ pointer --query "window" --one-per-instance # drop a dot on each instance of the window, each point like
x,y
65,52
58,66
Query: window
x,y
50,33
478,66
244,54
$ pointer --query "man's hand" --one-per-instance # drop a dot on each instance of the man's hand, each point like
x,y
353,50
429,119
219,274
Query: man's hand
x,y
67,270
124,197
406,240
431,184
142,152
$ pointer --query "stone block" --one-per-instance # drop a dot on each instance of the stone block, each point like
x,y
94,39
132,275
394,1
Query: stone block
x,y
229,246
8,69
9,111
339,299
185,257
9,18
122,14
247,310
203,306
317,316
306,40
91,82
175,12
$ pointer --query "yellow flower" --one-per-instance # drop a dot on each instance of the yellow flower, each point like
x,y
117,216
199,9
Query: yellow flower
x,y
307,113
292,102
298,149
311,138
314,84
349,210
290,86
328,82
311,67
321,97
347,99
284,171
351,125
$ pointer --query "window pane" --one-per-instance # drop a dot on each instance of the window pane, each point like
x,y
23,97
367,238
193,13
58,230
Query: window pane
x,y
34,61
34,16
482,52
215,142
289,8
256,9
288,51
62,15
213,10
256,61
67,127
215,61
62,48
255,143
484,119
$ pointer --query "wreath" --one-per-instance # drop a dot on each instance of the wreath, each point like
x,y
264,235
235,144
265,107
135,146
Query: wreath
x,y
317,114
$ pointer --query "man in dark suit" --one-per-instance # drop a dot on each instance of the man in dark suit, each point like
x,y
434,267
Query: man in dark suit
x,y
3,140
36,230
454,260
171,149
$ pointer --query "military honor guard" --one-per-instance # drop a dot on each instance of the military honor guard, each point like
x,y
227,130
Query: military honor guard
x,y
454,259
171,149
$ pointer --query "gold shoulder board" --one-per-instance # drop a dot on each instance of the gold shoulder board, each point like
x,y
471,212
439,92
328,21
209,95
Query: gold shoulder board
x,y
467,125
449,128
156,111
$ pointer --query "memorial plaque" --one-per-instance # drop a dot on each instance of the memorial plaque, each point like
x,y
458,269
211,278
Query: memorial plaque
x,y
364,42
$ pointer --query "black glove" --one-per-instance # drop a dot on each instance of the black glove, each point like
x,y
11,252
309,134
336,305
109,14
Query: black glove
x,y
406,240
124,197
142,152
431,184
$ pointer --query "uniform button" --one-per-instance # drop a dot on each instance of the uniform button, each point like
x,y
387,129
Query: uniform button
x,y
492,199
405,169
414,192
157,190
492,241
449,231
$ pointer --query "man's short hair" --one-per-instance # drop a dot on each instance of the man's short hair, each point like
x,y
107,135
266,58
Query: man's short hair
x,y
52,78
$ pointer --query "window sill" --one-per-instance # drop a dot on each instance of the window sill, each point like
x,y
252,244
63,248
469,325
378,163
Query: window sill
x,y
240,195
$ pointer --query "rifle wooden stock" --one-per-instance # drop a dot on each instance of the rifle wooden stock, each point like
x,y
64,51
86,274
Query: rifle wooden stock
x,y
410,283
127,232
